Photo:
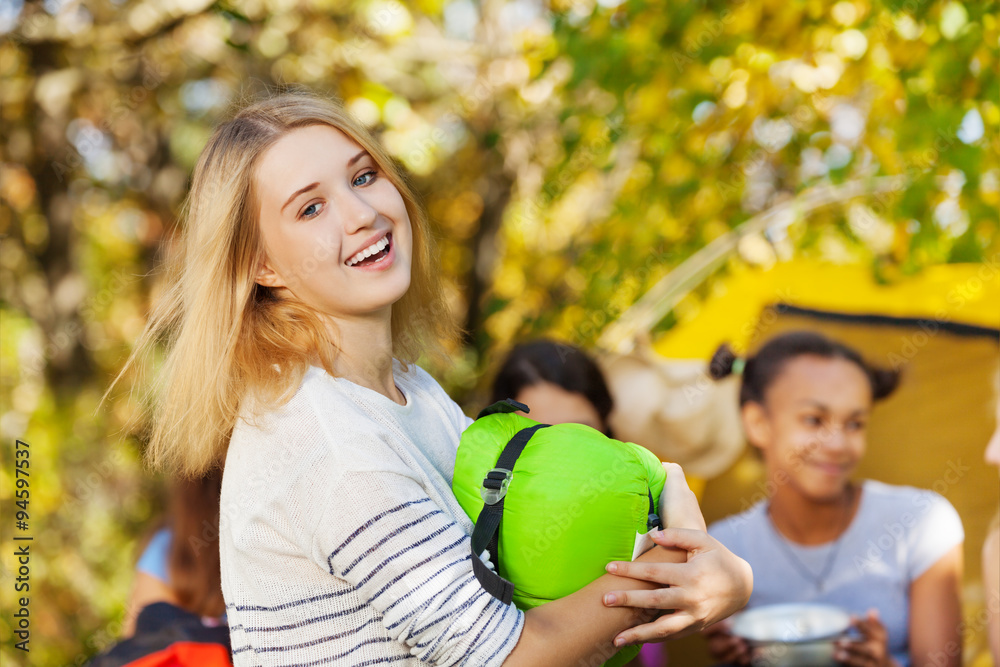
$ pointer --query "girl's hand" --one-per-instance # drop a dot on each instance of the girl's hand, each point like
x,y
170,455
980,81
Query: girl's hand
x,y
872,650
713,584
725,647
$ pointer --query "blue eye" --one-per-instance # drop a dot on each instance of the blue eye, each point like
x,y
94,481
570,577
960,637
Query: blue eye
x,y
371,173
306,215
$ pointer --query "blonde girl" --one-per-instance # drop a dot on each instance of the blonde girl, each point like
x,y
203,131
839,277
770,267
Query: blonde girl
x,y
305,289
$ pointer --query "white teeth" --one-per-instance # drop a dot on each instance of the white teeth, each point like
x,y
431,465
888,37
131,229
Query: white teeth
x,y
376,247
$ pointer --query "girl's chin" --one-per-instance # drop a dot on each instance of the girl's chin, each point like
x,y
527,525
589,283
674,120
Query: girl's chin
x,y
386,298
826,493
820,491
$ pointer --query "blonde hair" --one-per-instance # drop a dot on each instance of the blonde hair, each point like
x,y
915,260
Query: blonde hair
x,y
229,338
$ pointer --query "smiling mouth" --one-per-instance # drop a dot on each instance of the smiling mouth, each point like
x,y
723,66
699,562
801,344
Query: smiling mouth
x,y
829,468
373,254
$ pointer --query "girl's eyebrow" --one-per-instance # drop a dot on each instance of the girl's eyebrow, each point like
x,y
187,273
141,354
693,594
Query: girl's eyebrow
x,y
357,157
860,412
299,192
311,186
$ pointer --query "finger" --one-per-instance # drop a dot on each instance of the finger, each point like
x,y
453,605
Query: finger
x,y
688,539
878,630
678,503
722,628
871,627
671,626
856,653
741,653
723,653
859,624
720,645
660,598
660,573
735,650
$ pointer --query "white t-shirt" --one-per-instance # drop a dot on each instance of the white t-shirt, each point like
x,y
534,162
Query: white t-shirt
x,y
341,541
897,533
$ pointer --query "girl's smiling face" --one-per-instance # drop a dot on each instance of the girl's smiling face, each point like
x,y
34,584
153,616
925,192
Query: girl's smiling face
x,y
812,429
335,229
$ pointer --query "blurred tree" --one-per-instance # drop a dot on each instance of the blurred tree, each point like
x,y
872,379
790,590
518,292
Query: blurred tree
x,y
673,126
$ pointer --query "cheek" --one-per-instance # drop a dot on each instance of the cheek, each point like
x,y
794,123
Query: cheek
x,y
858,444
290,263
404,226
405,232
805,444
795,434
300,258
275,245
784,447
799,442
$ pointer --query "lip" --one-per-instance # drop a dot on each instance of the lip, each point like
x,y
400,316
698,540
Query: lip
x,y
384,263
833,469
375,239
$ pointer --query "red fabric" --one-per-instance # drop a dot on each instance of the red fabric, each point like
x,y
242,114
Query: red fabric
x,y
186,654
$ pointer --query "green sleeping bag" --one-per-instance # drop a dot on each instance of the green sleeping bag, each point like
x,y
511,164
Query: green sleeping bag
x,y
564,501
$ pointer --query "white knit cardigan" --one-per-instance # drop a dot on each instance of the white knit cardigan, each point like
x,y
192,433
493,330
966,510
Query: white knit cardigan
x,y
341,541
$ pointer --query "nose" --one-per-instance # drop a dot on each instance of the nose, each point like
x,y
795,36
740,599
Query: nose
x,y
835,437
356,212
993,448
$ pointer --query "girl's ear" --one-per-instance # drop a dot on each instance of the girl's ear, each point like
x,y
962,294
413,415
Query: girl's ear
x,y
267,276
756,424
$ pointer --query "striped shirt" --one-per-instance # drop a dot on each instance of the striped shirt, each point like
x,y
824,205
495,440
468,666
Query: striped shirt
x,y
341,541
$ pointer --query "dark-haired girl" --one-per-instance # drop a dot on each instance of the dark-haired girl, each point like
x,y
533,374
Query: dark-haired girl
x,y
891,555
560,383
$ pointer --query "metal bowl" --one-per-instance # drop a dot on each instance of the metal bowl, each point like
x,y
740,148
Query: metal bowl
x,y
786,635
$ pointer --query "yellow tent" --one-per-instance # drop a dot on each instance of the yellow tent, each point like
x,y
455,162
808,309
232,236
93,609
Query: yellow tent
x,y
942,326
963,294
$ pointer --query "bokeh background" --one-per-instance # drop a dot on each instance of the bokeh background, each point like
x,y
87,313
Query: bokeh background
x,y
571,153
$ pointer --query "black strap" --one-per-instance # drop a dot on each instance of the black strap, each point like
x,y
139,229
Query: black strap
x,y
504,406
486,534
653,519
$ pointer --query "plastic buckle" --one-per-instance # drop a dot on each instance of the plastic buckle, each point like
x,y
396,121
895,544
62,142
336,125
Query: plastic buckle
x,y
493,496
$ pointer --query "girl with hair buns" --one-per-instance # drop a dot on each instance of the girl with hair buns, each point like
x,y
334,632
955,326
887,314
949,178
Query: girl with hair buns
x,y
890,555
306,288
